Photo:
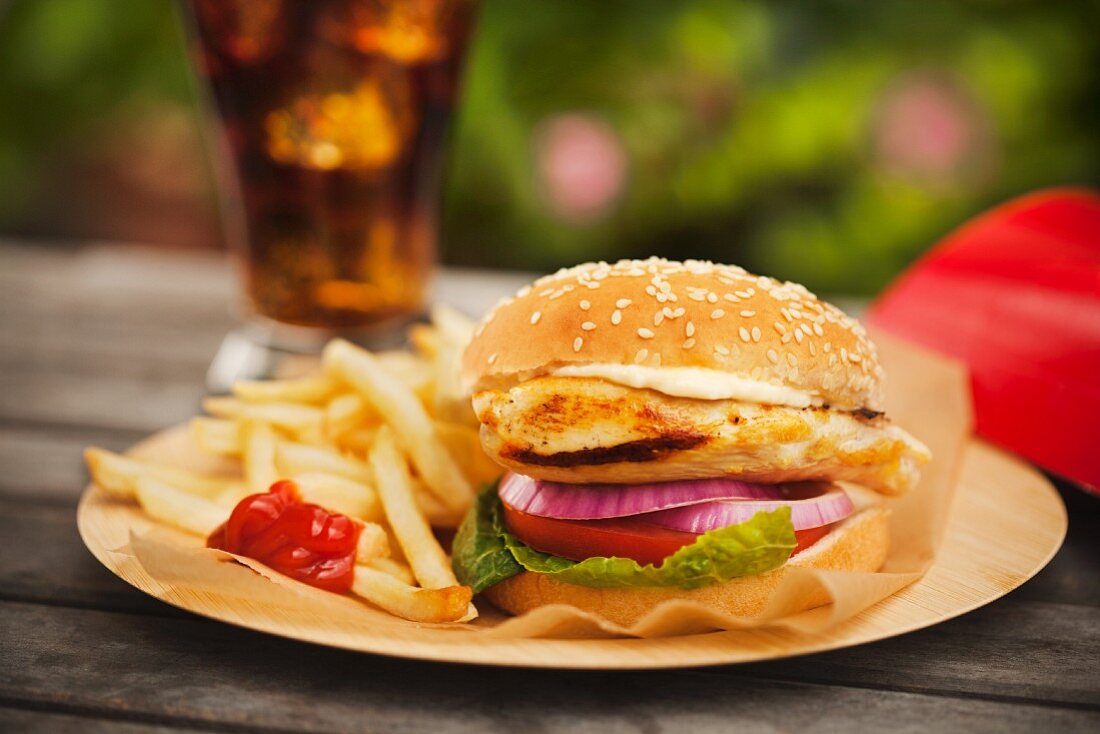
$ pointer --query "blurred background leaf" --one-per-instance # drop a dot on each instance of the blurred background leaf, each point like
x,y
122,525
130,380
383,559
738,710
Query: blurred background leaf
x,y
827,141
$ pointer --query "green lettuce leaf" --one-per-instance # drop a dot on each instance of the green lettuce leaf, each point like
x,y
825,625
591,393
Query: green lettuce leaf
x,y
485,553
478,555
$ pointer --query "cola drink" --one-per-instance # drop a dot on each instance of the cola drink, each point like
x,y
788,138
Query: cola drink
x,y
331,120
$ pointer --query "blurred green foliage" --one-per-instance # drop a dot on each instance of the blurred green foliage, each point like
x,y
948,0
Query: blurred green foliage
x,y
826,141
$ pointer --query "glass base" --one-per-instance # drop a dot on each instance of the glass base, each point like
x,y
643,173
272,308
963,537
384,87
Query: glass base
x,y
262,349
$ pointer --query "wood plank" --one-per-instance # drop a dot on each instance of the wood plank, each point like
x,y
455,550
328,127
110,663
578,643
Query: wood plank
x,y
198,672
107,400
47,464
1014,649
47,722
45,562
1009,650
142,305
200,281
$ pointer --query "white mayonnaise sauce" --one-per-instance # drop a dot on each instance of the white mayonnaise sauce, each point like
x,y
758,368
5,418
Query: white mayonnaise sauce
x,y
693,382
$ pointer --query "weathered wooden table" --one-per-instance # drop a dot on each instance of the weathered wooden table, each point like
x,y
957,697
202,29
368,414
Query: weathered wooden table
x,y
103,345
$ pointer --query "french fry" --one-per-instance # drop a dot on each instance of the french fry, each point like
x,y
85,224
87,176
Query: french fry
x,y
397,569
416,373
312,389
186,511
232,495
299,458
464,446
373,543
447,604
435,512
118,475
406,416
450,402
258,445
425,339
453,332
288,416
344,413
358,441
216,435
340,494
429,562
452,325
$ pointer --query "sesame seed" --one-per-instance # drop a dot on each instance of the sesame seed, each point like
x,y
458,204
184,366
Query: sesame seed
x,y
651,290
535,317
721,349
623,303
697,296
646,333
665,287
813,349
662,297
689,343
616,317
806,329
773,357
798,336
747,313
658,318
577,344
791,359
717,313
585,305
492,358
712,298
828,346
744,333
546,292
588,326
786,338
780,328
853,357
731,298
756,333
690,328
817,329
641,356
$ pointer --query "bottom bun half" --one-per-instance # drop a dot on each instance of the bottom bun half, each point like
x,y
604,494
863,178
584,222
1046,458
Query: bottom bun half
x,y
860,543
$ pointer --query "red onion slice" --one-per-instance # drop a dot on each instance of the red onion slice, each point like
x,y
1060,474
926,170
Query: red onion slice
x,y
601,501
825,508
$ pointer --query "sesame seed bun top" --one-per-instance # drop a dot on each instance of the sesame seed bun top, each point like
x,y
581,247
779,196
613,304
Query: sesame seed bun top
x,y
661,313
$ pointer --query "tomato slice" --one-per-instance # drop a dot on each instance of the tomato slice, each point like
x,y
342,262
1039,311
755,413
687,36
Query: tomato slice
x,y
625,537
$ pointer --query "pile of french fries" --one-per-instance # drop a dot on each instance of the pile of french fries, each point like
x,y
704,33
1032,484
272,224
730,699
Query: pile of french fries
x,y
387,438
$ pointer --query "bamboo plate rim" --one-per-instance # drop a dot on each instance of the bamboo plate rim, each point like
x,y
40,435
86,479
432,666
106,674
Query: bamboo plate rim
x,y
1006,523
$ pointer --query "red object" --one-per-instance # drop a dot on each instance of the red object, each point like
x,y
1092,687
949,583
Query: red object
x,y
624,537
1015,294
303,541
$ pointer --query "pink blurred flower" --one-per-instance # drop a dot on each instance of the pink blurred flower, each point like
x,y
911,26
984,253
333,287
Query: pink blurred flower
x,y
930,128
580,164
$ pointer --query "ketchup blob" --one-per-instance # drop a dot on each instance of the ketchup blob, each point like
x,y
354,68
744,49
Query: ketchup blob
x,y
301,540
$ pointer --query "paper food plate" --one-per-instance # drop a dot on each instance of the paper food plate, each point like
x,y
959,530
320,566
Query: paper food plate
x,y
1006,522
